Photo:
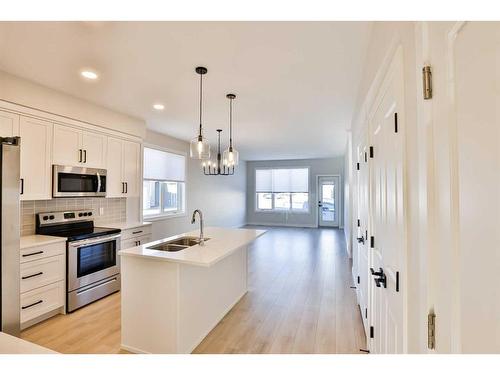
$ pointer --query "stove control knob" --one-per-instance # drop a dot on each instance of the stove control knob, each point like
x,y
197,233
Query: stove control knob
x,y
90,213
45,218
51,217
85,214
80,214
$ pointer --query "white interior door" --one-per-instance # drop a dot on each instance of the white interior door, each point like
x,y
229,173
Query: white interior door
x,y
387,210
363,246
328,201
463,266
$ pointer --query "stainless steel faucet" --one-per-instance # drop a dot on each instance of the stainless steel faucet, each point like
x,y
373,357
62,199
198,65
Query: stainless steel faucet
x,y
193,220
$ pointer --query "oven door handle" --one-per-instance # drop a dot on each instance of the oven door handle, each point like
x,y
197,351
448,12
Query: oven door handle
x,y
98,183
94,241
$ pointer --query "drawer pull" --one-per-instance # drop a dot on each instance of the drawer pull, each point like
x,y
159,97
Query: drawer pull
x,y
30,276
137,232
35,253
31,305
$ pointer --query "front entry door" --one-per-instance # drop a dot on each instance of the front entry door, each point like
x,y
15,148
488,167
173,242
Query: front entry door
x,y
387,211
328,194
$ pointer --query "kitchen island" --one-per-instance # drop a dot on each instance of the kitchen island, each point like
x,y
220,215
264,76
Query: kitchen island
x,y
172,299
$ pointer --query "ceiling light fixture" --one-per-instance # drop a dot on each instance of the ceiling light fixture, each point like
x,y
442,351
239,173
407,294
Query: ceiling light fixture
x,y
89,74
159,107
224,164
199,147
216,168
231,156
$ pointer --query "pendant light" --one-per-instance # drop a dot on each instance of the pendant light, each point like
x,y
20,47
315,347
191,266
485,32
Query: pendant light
x,y
231,156
199,147
217,167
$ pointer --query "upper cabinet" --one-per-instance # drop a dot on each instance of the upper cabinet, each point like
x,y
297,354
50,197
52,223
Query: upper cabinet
x,y
36,174
123,168
77,147
9,124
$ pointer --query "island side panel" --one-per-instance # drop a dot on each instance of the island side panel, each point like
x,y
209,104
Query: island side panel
x,y
207,294
149,298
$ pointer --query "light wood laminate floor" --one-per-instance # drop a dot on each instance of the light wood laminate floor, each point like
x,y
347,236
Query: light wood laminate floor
x,y
299,301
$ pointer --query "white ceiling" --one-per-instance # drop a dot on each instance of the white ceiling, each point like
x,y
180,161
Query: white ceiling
x,y
295,82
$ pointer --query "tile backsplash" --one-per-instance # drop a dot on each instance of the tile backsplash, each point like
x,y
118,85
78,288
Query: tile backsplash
x,y
113,210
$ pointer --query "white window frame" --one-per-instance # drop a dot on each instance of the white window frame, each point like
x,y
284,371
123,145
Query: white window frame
x,y
164,215
273,209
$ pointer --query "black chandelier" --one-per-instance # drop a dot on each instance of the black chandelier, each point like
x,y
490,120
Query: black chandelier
x,y
219,167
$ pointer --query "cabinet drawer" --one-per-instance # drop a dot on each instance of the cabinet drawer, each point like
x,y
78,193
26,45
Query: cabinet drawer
x,y
136,241
136,232
40,252
42,272
42,300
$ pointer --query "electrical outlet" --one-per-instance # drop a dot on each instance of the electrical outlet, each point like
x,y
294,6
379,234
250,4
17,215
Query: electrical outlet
x,y
101,211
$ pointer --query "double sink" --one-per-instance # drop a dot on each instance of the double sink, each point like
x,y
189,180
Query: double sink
x,y
177,244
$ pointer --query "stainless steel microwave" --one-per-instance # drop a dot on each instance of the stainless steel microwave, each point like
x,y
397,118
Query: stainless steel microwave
x,y
78,182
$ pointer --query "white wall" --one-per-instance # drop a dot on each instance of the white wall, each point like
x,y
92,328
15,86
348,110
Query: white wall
x,y
329,166
32,95
222,199
348,227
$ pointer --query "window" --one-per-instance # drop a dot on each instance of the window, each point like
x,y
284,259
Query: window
x,y
164,183
284,189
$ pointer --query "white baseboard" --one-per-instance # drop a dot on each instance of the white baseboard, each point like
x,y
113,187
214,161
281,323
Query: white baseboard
x,y
283,225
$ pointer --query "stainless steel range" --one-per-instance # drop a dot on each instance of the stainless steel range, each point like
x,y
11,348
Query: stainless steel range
x,y
92,261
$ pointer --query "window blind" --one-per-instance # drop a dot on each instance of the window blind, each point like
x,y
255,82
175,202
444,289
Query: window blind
x,y
283,180
164,166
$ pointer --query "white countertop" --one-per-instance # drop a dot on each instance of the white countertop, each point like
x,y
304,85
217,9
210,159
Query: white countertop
x,y
39,240
124,226
14,345
222,242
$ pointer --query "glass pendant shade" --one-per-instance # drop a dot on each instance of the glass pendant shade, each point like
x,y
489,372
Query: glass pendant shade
x,y
231,156
199,148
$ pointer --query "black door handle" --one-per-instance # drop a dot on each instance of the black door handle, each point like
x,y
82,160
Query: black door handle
x,y
361,240
84,156
379,273
126,187
22,186
80,159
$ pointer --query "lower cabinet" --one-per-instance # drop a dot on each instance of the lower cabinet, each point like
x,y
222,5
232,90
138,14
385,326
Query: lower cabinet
x,y
136,236
42,282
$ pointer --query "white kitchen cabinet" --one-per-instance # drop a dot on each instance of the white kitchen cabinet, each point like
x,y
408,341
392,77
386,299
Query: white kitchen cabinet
x,y
36,154
9,124
123,168
94,149
78,147
131,168
42,280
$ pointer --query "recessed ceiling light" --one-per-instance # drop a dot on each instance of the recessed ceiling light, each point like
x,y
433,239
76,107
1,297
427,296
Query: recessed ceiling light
x,y
158,106
89,74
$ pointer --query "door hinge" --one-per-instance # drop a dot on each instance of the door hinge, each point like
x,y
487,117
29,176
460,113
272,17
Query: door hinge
x,y
371,152
372,242
372,332
357,166
359,223
358,280
397,281
431,330
427,82
366,158
395,122
366,313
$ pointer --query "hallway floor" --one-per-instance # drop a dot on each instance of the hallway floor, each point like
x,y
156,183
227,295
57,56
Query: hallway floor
x,y
299,301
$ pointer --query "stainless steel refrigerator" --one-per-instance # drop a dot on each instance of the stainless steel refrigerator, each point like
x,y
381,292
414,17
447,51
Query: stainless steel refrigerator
x,y
9,235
